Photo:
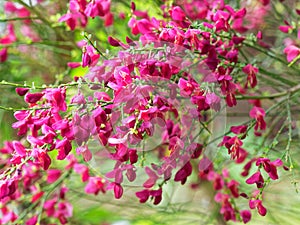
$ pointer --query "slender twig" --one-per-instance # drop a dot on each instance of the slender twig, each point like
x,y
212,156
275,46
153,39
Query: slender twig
x,y
19,18
272,96
92,44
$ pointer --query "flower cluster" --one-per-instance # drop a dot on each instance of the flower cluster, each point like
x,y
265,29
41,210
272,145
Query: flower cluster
x,y
148,109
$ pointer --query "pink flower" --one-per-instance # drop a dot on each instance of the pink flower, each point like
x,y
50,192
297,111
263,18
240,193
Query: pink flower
x,y
33,97
10,37
292,52
183,173
64,147
213,101
258,114
32,220
85,152
43,159
177,14
154,194
258,204
89,57
95,185
233,187
118,190
270,167
238,129
3,55
22,91
257,179
83,170
251,71
246,215
53,175
286,28
233,144
152,178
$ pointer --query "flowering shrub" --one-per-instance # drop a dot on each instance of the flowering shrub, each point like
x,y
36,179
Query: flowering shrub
x,y
147,106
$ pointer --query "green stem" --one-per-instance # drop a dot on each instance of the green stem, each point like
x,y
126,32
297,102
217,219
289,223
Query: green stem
x,y
92,44
19,18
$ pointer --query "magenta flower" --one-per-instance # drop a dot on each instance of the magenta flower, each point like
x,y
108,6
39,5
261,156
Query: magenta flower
x,y
22,91
251,71
257,179
233,187
33,97
258,204
177,14
53,175
238,129
270,167
152,178
64,147
154,194
85,152
183,173
118,190
10,37
246,215
3,55
83,170
291,52
95,184
258,114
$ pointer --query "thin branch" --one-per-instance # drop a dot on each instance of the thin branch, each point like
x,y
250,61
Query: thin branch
x,y
19,18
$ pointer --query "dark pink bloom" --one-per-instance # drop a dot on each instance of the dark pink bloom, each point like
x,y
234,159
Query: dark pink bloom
x,y
32,221
113,42
258,204
118,190
233,144
286,28
73,64
233,187
95,185
3,55
44,160
19,148
152,178
89,57
246,215
177,14
83,170
85,152
213,101
22,91
183,173
258,114
238,129
37,196
251,71
143,195
33,97
257,179
53,175
94,8
108,19
270,167
64,147
86,58
156,195
292,52
10,37
64,210
265,2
